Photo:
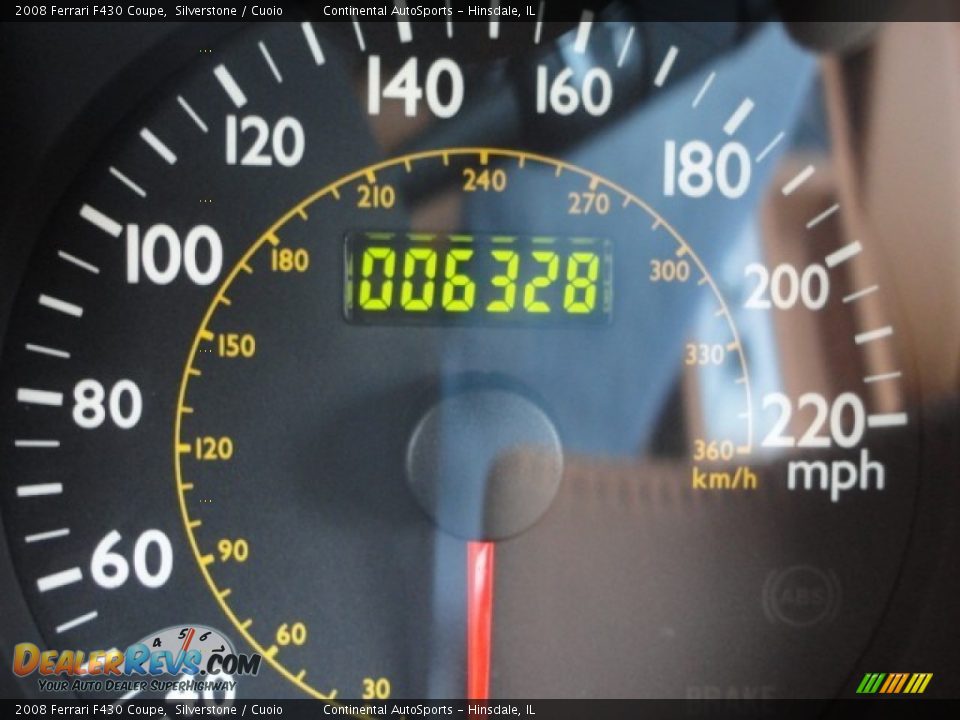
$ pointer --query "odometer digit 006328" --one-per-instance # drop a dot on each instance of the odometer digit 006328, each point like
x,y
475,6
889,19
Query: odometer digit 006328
x,y
459,278
439,360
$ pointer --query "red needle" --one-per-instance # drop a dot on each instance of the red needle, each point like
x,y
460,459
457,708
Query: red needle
x,y
480,557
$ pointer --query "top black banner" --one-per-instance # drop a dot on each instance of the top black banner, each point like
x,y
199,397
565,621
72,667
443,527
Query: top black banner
x,y
495,710
477,11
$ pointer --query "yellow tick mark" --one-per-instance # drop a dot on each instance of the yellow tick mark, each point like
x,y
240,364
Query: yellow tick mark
x,y
371,178
273,239
302,213
446,159
521,161
484,158
594,181
184,448
246,623
301,675
206,335
247,269
681,251
225,593
223,299
207,559
335,193
184,487
407,166
194,372
732,346
194,524
186,410
271,651
558,171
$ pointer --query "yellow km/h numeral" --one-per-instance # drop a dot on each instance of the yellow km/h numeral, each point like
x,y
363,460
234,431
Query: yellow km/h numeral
x,y
237,550
287,260
236,345
207,448
375,688
291,634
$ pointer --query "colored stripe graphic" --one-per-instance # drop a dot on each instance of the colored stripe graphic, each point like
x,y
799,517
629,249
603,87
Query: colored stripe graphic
x,y
922,685
894,683
899,686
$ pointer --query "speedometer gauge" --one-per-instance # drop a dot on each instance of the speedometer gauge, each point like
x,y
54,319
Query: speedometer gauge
x,y
531,356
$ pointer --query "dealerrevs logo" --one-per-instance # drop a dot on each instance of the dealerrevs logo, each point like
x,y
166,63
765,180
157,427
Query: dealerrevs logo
x,y
182,657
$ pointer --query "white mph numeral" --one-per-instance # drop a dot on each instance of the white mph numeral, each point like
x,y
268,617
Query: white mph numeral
x,y
142,254
696,169
125,404
286,138
842,434
786,286
110,569
405,86
559,96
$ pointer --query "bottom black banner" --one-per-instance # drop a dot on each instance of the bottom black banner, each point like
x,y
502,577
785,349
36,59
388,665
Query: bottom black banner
x,y
913,708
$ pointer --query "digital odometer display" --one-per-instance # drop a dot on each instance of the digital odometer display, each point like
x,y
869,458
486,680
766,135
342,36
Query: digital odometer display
x,y
427,278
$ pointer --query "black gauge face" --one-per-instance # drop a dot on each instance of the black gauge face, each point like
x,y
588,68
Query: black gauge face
x,y
456,360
